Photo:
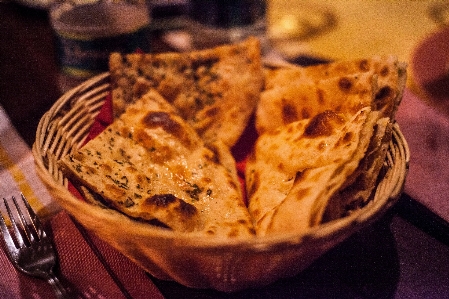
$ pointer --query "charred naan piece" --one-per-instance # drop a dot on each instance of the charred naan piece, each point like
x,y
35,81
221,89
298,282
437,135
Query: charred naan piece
x,y
323,191
151,165
358,188
215,90
302,92
285,104
289,193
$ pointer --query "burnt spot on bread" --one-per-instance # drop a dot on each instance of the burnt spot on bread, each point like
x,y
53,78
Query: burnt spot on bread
x,y
160,153
211,231
321,146
253,183
213,154
348,137
299,177
322,124
235,229
383,97
302,193
164,120
385,71
345,84
305,113
186,209
320,96
232,183
202,64
256,212
161,200
364,65
115,191
345,140
233,233
281,166
90,170
105,168
289,113
79,156
290,130
383,93
212,112
140,87
206,180
144,139
164,201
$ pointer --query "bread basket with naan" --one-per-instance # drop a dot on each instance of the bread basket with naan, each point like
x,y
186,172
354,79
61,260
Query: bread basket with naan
x,y
163,180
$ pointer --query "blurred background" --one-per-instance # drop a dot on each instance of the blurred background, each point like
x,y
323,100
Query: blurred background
x,y
302,32
324,30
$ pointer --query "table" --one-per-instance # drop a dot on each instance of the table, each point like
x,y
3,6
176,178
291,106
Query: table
x,y
403,255
356,28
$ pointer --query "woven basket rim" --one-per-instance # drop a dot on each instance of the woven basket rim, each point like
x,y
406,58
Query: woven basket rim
x,y
322,233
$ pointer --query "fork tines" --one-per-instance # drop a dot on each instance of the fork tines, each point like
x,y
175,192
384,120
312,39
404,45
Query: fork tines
x,y
31,251
26,227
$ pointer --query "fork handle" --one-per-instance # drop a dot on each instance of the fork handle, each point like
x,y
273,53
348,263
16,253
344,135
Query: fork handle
x,y
61,290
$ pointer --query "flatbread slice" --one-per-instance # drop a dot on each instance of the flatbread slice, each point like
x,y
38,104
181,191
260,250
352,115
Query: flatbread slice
x,y
295,93
358,188
290,194
150,165
215,90
304,99
390,77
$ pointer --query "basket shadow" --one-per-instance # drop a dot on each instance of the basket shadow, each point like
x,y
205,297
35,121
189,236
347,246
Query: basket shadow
x,y
366,265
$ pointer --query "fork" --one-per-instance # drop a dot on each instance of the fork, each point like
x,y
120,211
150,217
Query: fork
x,y
29,248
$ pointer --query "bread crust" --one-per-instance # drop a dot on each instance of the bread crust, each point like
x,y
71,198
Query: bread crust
x,y
215,90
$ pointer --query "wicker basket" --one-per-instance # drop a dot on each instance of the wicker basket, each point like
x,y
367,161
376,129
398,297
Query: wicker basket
x,y
195,262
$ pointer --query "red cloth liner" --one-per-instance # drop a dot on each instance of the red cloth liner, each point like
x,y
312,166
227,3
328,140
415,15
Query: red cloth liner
x,y
242,150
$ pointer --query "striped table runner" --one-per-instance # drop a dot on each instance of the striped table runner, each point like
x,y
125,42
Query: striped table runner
x,y
17,170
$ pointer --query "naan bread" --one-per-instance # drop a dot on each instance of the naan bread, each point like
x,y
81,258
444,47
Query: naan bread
x,y
289,193
348,78
297,180
299,100
152,166
215,90
358,188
